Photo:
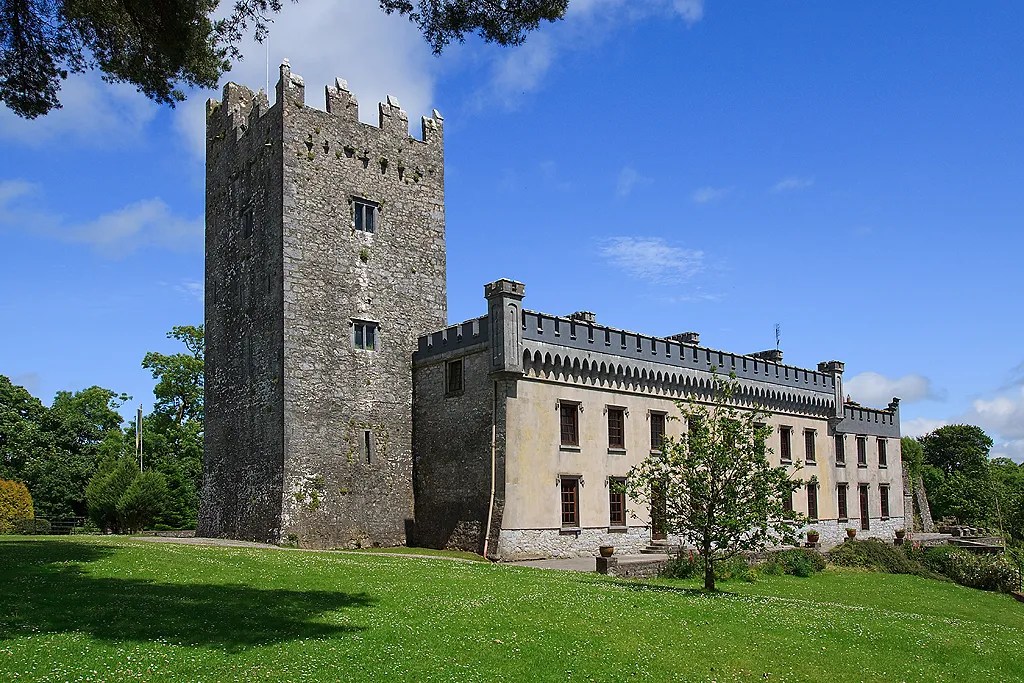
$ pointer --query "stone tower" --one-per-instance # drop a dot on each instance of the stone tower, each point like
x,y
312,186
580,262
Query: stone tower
x,y
325,260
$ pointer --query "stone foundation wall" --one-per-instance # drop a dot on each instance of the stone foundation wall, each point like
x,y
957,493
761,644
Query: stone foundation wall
x,y
533,544
833,532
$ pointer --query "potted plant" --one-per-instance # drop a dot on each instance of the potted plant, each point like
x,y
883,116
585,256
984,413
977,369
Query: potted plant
x,y
851,533
607,550
812,537
901,534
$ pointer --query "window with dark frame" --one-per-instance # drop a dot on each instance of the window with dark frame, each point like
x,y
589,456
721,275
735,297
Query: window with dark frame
x,y
785,444
570,501
616,428
862,451
883,498
865,510
365,215
883,460
840,450
812,501
787,502
616,502
843,504
569,423
364,335
657,430
453,377
809,454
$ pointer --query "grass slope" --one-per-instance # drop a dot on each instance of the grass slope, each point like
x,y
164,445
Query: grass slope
x,y
110,609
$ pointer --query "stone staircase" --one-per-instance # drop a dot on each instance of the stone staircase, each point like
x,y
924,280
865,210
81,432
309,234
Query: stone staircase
x,y
660,547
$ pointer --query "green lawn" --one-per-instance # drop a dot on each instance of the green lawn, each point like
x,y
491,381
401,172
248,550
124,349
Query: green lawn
x,y
103,609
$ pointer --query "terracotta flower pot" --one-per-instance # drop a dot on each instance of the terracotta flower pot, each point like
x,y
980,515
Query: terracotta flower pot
x,y
812,537
901,533
607,550
851,533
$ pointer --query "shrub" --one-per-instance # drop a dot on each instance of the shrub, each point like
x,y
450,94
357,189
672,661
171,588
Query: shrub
x,y
683,565
985,572
28,527
15,504
796,561
874,555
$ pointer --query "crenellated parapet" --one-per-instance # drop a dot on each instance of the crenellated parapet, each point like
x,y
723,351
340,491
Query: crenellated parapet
x,y
230,118
858,419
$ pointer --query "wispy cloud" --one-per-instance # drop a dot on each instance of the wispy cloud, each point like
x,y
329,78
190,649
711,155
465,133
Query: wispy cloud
x,y
587,24
190,288
1001,414
792,183
703,195
142,224
94,114
919,426
874,389
629,178
652,259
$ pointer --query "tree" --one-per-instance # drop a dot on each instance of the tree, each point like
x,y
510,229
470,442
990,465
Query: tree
x,y
142,501
15,504
159,47
21,414
957,448
717,487
179,389
123,499
912,455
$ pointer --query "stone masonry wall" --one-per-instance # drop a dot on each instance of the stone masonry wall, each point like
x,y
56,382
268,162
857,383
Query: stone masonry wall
x,y
532,544
452,449
333,274
243,452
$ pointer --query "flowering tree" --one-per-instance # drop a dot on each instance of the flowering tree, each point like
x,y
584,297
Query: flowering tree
x,y
715,486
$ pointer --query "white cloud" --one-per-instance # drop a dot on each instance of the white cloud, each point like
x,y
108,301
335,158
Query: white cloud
x,y
874,389
146,223
1001,414
652,259
377,54
95,114
792,183
1014,450
703,195
190,288
920,426
629,178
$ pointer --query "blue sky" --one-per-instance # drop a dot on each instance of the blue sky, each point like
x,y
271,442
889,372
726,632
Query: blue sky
x,y
850,171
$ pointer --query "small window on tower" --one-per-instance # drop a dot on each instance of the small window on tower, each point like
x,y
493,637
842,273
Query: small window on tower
x,y
364,335
365,215
453,380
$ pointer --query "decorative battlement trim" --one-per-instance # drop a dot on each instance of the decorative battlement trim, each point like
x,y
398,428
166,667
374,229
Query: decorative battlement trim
x,y
240,107
552,362
452,338
599,338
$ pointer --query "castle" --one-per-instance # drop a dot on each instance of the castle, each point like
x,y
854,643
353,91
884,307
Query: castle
x,y
342,410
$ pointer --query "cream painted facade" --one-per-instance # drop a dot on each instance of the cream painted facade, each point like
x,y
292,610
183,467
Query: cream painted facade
x,y
539,362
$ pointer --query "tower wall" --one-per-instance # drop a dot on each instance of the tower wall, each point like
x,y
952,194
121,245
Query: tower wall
x,y
335,494
244,457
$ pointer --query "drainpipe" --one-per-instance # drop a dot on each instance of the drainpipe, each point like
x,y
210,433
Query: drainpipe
x,y
494,429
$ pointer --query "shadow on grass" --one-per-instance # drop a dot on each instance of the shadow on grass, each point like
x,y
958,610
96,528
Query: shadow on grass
x,y
44,588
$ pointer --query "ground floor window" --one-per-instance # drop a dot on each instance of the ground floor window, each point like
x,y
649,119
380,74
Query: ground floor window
x,y
844,511
883,496
865,515
616,502
570,502
812,501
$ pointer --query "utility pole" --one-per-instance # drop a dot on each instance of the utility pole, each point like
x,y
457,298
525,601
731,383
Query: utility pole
x,y
138,436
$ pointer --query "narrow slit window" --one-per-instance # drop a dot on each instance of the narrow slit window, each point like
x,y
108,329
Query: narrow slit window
x,y
367,446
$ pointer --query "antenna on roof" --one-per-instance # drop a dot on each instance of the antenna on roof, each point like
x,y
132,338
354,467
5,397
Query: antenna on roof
x,y
777,336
